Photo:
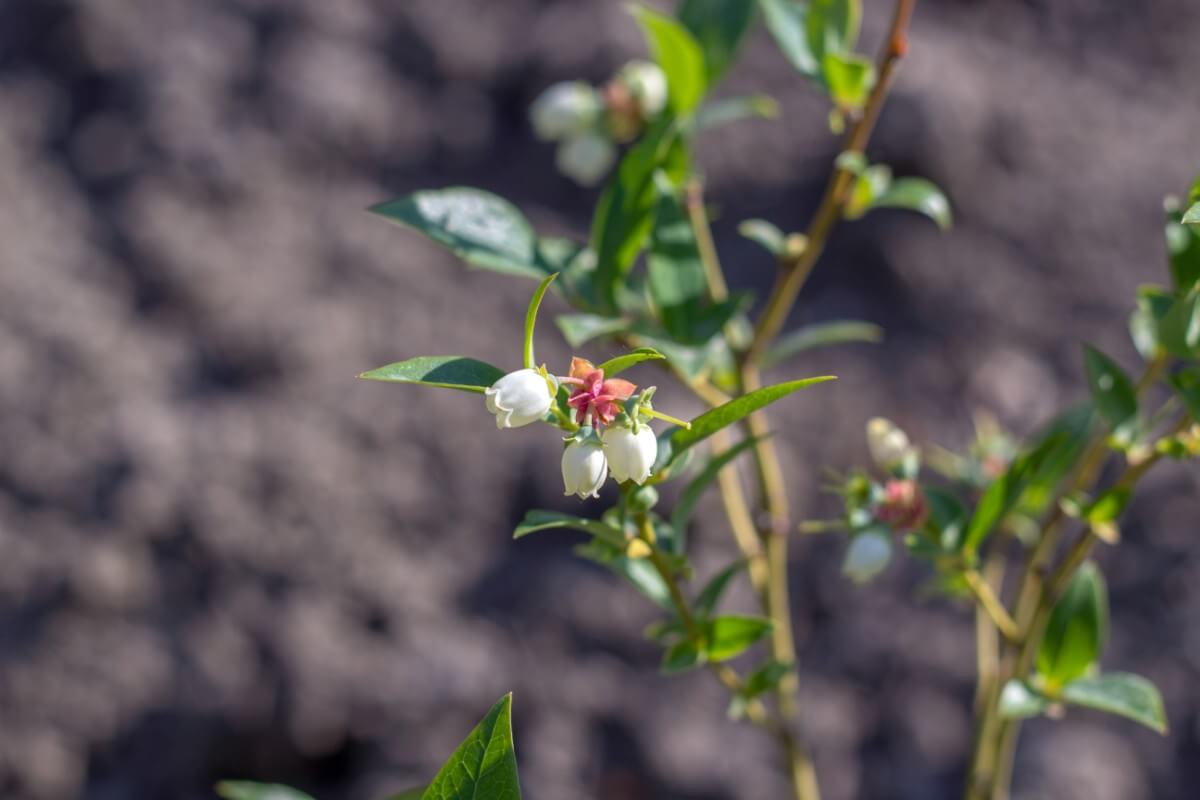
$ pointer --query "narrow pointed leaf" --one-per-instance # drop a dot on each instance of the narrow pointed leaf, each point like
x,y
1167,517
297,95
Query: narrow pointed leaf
x,y
1112,390
725,415
481,228
1120,693
531,318
675,273
539,520
710,595
765,678
728,637
624,362
447,372
680,57
920,195
764,233
248,790
822,334
484,765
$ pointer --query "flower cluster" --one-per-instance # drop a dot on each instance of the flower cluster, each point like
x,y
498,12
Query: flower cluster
x,y
606,433
588,123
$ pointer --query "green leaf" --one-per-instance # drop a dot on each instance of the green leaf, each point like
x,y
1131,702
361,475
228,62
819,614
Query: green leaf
x,y
822,334
728,637
1112,390
1108,506
805,33
1153,304
785,21
734,109
640,573
1070,432
247,790
676,278
411,794
1076,630
833,25
719,26
722,416
484,765
1003,493
481,228
1187,383
539,520
764,233
680,57
624,362
447,372
849,78
710,595
765,678
1179,329
531,318
1019,700
692,494
625,210
578,329
1192,215
681,657
872,183
1183,251
947,519
920,195
1120,693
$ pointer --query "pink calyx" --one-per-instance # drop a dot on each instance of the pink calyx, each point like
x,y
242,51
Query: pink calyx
x,y
593,394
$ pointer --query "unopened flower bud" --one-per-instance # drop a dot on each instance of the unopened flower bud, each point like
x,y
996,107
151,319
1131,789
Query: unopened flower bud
x,y
584,467
903,506
648,85
519,398
586,158
630,454
564,110
868,555
888,444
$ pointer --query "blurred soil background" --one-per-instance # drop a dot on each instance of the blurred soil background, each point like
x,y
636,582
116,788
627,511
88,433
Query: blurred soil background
x,y
223,556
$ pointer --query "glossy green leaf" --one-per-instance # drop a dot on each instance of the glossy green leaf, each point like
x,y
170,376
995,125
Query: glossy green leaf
x,y
764,233
1112,390
1019,700
578,329
728,637
1187,383
481,228
624,362
1179,328
719,27
734,109
1003,493
447,372
1120,693
675,274
695,490
920,195
625,211
822,334
725,415
539,520
247,790
680,57
484,765
710,595
1183,251
681,657
1108,506
849,78
1077,628
531,318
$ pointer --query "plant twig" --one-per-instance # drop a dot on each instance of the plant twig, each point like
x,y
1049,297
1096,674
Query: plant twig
x,y
992,606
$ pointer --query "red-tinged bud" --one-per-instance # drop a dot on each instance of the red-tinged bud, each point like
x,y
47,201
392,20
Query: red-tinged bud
x,y
903,506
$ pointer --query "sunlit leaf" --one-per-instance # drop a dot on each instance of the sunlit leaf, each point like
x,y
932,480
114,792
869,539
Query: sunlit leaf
x,y
920,195
448,372
247,790
680,57
539,520
531,318
727,637
1077,628
1120,693
624,362
484,765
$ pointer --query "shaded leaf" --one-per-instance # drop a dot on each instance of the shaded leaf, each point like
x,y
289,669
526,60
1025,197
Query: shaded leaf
x,y
447,372
1187,383
719,27
579,329
822,334
1076,630
1183,251
481,228
1120,693
765,234
695,490
247,790
676,277
1179,328
484,765
637,571
765,678
734,109
539,520
1112,390
411,794
680,57
920,195
624,362
710,595
681,657
785,20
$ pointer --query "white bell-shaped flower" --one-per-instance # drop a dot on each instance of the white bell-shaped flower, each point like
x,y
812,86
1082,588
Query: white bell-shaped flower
x,y
648,85
868,554
519,398
888,444
584,467
586,158
631,454
565,109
